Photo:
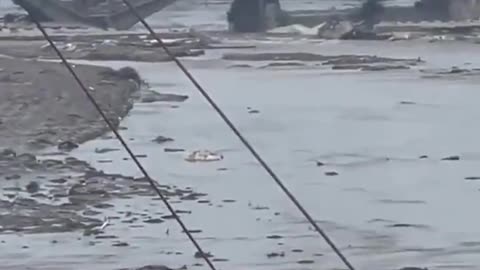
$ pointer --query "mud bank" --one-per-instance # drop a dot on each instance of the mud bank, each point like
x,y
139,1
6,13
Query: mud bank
x,y
42,106
336,62
44,115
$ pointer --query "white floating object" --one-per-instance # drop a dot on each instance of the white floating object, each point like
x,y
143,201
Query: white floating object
x,y
69,47
105,223
203,156
109,42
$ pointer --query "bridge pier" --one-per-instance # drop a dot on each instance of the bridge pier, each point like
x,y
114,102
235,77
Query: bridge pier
x,y
255,15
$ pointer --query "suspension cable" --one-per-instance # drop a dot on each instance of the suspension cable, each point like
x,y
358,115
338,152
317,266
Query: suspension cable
x,y
120,139
229,123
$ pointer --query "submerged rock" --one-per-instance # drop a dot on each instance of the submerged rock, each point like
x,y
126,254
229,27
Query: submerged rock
x,y
33,187
67,146
152,96
451,158
162,139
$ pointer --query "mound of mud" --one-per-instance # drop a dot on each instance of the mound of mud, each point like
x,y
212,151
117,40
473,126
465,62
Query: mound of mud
x,y
41,105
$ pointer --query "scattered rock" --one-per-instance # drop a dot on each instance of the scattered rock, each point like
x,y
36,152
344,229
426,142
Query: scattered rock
x,y
240,66
173,150
306,262
275,254
67,146
154,220
33,187
120,244
219,260
199,255
406,225
413,268
105,150
12,177
319,164
162,139
103,205
452,158
58,181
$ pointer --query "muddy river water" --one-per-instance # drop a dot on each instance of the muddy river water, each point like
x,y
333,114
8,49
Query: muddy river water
x,y
397,198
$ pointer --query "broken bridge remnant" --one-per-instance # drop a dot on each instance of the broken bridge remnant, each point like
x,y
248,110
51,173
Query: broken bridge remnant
x,y
97,13
263,15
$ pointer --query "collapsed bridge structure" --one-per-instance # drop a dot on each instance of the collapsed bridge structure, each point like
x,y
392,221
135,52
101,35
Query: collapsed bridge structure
x,y
261,15
97,13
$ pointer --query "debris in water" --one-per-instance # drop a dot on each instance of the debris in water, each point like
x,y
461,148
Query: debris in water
x,y
203,156
106,222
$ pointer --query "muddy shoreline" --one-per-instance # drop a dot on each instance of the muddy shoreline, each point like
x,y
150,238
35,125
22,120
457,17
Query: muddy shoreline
x,y
45,115
42,106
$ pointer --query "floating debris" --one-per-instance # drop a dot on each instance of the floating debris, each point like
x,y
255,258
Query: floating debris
x,y
106,222
203,156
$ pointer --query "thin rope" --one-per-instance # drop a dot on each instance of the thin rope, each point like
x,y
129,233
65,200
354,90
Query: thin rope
x,y
242,138
122,141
